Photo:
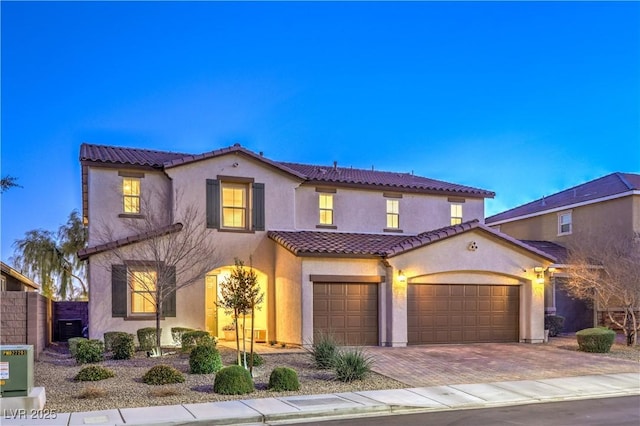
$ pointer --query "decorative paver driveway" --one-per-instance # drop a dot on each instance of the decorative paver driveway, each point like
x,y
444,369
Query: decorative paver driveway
x,y
436,365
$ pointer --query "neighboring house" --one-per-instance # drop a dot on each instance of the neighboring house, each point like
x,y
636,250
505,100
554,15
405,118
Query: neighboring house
x,y
378,258
607,205
12,280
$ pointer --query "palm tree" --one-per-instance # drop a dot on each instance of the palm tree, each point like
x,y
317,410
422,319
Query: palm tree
x,y
51,259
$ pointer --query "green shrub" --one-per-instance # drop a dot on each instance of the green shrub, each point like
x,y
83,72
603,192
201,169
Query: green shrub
x,y
191,339
109,336
162,375
283,379
204,359
123,346
89,351
73,345
177,332
257,359
324,350
93,373
597,339
554,323
352,364
147,338
233,380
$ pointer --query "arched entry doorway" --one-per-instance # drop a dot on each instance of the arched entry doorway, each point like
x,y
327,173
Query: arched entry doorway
x,y
217,319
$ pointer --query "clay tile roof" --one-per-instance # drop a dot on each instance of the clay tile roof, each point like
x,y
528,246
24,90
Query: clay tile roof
x,y
120,155
345,175
85,253
606,186
335,243
556,250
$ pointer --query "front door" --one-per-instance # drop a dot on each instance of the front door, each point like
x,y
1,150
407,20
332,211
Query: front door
x,y
211,309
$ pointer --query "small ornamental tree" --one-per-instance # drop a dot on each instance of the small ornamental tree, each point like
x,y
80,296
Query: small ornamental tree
x,y
240,296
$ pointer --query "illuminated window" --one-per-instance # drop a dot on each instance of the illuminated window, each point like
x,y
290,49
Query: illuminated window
x,y
143,287
131,195
564,223
3,284
393,214
456,214
234,205
326,209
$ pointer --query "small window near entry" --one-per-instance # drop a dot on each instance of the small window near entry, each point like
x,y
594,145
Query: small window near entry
x,y
143,287
564,223
456,214
326,209
393,214
131,195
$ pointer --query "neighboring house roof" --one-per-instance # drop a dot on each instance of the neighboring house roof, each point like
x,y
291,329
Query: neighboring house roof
x,y
318,243
310,173
8,270
601,189
85,253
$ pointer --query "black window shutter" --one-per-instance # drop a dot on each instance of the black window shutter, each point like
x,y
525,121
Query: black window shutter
x,y
169,304
258,207
213,203
119,290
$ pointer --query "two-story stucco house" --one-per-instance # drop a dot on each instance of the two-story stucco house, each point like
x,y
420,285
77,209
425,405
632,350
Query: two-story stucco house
x,y
378,258
609,205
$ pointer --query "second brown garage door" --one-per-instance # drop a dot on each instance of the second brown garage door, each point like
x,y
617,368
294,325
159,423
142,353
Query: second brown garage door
x,y
461,313
348,310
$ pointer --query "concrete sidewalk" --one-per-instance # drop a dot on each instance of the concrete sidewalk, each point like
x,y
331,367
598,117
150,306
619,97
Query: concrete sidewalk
x,y
294,409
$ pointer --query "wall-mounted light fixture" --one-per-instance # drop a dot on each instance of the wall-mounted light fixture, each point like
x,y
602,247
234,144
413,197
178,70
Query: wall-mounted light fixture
x,y
539,270
401,277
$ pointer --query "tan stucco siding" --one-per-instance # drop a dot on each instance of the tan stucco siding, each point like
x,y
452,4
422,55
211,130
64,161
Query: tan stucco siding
x,y
358,210
620,215
287,297
106,202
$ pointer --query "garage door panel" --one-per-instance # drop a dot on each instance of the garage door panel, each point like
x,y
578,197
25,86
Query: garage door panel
x,y
450,313
348,310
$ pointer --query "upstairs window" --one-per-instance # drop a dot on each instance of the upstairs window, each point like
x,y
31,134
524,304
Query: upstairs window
x,y
393,214
456,214
326,209
565,225
235,205
143,288
131,195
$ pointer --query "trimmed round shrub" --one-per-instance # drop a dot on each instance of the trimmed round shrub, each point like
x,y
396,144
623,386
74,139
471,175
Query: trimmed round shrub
x,y
324,350
88,351
162,375
109,336
93,373
204,359
73,345
353,364
147,338
233,380
283,379
597,340
257,359
191,339
554,323
123,346
177,332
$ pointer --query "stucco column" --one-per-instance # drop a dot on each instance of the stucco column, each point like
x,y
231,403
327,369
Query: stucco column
x,y
532,312
396,302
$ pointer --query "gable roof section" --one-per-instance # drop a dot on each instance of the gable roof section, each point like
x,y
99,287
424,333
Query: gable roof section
x,y
318,243
601,189
85,253
8,270
556,250
103,154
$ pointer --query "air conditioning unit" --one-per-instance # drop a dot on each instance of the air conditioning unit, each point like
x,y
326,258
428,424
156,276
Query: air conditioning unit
x,y
16,370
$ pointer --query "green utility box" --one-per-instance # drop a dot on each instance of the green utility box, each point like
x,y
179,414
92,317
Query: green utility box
x,y
16,370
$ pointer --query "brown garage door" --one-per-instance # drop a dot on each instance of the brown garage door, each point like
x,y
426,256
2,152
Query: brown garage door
x,y
461,313
348,310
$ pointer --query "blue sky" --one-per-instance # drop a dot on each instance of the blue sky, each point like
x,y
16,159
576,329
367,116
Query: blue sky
x,y
523,99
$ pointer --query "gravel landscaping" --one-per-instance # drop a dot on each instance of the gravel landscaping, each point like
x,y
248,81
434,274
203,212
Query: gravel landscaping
x,y
56,369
